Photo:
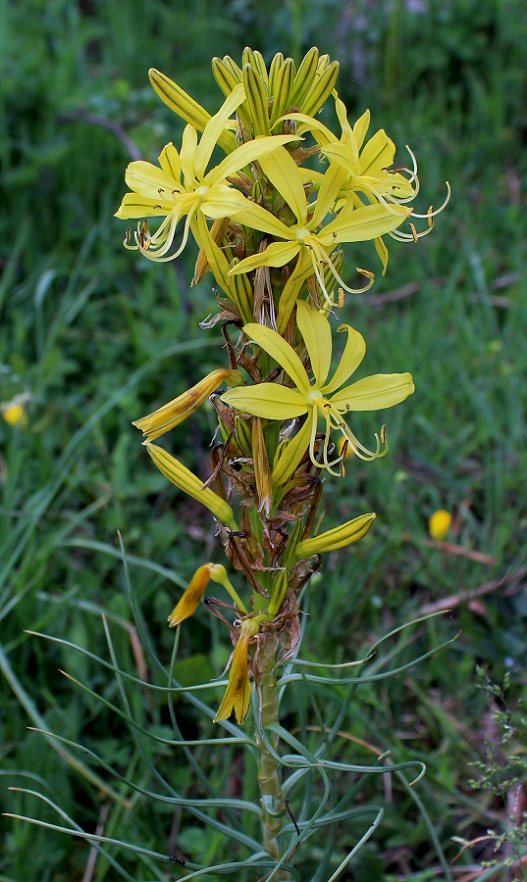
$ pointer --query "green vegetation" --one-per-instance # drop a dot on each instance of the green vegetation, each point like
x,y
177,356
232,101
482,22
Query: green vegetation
x,y
93,337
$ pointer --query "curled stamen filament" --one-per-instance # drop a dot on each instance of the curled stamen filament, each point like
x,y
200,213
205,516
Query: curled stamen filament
x,y
320,257
156,247
333,420
430,214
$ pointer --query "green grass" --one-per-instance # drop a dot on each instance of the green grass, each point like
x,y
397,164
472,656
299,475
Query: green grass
x,y
98,338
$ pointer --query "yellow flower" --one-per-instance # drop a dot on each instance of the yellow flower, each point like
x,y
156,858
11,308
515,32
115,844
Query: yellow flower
x,y
15,414
367,164
238,693
182,187
439,524
319,400
189,602
309,238
178,410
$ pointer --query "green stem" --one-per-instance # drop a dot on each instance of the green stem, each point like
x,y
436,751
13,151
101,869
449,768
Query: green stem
x,y
269,773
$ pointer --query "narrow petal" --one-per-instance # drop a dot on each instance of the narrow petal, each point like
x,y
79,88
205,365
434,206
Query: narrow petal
x,y
192,595
320,132
332,182
282,352
247,153
361,127
260,219
362,224
293,289
189,145
347,132
134,206
290,453
276,254
374,393
282,171
214,129
223,201
351,358
377,155
170,161
270,401
149,180
316,332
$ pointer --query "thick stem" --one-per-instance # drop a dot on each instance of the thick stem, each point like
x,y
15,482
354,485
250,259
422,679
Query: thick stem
x,y
269,771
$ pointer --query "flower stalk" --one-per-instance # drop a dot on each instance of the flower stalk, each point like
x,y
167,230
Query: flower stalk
x,y
269,772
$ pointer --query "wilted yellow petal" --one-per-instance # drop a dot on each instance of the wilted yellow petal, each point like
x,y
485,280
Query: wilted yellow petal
x,y
189,602
178,410
238,693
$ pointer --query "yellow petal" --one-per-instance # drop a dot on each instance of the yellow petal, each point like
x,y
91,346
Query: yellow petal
x,y
316,332
270,401
190,600
282,171
277,254
374,393
352,356
281,351
214,129
290,453
361,224
247,153
238,693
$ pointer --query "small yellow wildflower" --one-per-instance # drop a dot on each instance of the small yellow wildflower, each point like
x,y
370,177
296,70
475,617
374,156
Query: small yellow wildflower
x,y
439,524
15,414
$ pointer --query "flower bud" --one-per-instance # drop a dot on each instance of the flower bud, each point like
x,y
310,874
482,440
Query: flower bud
x,y
347,533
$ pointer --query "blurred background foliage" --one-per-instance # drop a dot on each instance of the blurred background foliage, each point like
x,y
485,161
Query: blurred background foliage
x,y
92,337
